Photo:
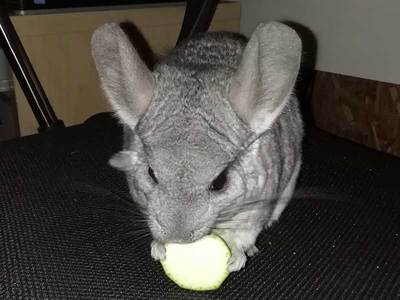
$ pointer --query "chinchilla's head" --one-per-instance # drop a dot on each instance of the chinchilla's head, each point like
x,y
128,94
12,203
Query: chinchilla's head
x,y
188,122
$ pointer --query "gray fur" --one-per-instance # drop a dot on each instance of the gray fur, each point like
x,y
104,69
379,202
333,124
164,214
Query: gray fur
x,y
215,103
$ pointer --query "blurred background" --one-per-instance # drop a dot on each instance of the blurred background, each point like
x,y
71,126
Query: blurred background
x,y
349,83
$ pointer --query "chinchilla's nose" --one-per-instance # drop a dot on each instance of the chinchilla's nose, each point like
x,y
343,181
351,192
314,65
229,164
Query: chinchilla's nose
x,y
183,233
180,234
183,238
172,230
184,224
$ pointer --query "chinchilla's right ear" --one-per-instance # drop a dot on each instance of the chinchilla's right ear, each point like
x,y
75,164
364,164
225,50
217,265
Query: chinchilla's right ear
x,y
126,81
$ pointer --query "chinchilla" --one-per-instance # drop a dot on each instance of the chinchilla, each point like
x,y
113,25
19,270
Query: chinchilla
x,y
212,135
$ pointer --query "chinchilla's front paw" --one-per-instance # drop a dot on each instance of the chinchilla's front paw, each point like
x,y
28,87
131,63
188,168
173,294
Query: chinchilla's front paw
x,y
157,250
252,250
239,257
237,260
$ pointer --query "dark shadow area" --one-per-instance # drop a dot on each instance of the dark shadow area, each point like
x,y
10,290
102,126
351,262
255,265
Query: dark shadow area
x,y
304,86
9,126
139,42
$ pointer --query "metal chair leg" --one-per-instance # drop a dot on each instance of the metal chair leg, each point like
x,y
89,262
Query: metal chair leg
x,y
198,17
26,75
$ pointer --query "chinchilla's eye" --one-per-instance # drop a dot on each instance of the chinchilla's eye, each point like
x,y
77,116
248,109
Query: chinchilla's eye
x,y
152,175
219,182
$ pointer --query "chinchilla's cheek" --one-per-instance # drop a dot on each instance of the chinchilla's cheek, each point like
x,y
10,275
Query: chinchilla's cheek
x,y
144,182
233,193
140,198
139,186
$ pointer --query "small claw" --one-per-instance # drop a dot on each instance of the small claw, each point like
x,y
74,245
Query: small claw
x,y
157,250
253,250
237,261
269,224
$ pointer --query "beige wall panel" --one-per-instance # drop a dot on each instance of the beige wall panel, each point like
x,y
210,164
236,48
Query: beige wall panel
x,y
59,48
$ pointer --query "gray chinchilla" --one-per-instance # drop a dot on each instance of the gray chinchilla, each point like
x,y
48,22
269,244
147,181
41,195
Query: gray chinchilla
x,y
212,136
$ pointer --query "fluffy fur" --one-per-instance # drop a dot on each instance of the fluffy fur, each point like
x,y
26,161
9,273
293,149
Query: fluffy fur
x,y
219,110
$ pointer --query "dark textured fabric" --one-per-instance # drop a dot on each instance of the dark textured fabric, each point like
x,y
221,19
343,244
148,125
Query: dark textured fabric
x,y
67,229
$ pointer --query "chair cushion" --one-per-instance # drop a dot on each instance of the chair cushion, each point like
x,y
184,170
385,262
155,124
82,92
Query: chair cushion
x,y
69,230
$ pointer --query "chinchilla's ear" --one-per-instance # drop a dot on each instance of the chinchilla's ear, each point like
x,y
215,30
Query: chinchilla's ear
x,y
126,81
266,76
123,160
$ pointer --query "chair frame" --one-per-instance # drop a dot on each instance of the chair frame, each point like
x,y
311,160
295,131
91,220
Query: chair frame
x,y
198,16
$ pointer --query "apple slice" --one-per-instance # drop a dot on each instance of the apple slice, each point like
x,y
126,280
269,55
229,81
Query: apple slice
x,y
200,266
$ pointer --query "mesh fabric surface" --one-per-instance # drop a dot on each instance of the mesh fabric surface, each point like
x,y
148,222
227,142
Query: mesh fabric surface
x,y
68,230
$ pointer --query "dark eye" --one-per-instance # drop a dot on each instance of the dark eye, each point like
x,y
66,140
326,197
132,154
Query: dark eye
x,y
152,175
219,182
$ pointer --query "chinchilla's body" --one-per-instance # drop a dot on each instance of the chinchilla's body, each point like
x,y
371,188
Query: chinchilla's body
x,y
212,135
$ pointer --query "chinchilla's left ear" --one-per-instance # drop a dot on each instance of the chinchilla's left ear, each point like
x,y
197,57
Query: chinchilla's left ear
x,y
124,160
126,81
266,76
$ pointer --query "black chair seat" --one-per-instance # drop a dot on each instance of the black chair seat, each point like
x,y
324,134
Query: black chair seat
x,y
68,230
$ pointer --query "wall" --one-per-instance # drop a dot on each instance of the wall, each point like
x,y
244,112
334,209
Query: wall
x,y
58,45
355,37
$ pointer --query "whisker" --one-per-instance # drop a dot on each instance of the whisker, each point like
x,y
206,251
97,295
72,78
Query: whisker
x,y
136,234
129,210
254,204
142,236
137,231
235,220
242,207
302,195
89,188
127,213
231,228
